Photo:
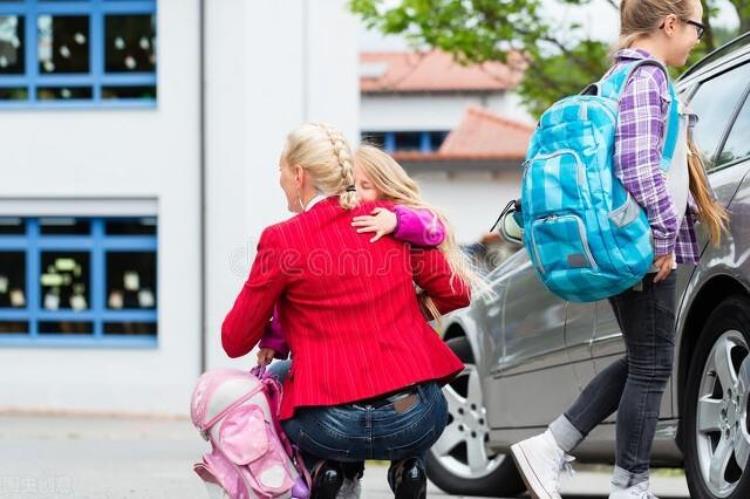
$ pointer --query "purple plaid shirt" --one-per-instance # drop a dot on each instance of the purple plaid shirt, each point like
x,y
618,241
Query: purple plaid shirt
x,y
638,146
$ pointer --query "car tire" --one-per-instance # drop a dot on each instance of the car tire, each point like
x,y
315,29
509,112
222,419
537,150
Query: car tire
x,y
448,464
716,431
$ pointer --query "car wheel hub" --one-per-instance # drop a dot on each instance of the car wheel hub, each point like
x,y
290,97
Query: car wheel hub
x,y
721,432
462,447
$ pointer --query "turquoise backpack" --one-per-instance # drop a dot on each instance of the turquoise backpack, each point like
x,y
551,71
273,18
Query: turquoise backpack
x,y
586,236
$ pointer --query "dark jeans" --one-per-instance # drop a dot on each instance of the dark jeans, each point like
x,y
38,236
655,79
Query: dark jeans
x,y
634,384
352,433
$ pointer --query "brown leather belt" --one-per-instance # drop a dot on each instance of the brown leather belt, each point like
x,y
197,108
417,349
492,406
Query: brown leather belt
x,y
401,400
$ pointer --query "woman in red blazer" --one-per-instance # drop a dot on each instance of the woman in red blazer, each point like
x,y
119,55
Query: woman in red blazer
x,y
365,381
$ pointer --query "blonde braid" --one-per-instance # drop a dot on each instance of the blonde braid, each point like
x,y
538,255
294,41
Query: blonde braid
x,y
347,198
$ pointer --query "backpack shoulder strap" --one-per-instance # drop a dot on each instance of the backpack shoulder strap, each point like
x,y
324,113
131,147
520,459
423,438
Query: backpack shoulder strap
x,y
613,85
672,133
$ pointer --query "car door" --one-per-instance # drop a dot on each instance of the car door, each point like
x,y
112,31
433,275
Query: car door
x,y
532,380
716,100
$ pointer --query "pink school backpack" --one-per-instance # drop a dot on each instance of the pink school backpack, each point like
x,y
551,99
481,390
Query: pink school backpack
x,y
250,457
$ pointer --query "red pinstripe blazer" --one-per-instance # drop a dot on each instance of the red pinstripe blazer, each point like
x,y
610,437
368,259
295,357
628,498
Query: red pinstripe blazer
x,y
348,308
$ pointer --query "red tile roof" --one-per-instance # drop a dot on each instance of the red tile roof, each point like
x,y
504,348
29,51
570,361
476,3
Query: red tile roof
x,y
481,135
435,71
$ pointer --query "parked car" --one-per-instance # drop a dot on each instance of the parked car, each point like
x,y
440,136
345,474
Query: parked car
x,y
528,353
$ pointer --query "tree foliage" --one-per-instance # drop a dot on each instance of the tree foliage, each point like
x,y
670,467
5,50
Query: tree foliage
x,y
561,58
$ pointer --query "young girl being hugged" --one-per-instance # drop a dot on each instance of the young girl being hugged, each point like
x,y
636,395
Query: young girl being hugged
x,y
378,177
664,31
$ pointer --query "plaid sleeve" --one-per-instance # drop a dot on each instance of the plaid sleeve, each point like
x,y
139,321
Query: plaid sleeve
x,y
638,147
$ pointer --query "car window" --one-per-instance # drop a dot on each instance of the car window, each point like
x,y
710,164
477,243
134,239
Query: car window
x,y
714,102
737,145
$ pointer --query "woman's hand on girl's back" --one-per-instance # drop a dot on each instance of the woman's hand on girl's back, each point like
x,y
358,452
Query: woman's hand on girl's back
x,y
381,221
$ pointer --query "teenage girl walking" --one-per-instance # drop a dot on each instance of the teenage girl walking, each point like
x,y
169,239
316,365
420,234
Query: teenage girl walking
x,y
665,31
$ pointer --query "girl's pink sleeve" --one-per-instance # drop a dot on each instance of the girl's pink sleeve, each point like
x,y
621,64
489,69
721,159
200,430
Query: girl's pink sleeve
x,y
273,337
418,226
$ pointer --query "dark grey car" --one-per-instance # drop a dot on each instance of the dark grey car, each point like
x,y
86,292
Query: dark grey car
x,y
528,353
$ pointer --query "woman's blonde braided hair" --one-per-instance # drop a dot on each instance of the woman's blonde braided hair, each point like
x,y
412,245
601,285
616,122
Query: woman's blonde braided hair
x,y
323,151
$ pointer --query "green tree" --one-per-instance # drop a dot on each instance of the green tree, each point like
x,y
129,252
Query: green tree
x,y
561,58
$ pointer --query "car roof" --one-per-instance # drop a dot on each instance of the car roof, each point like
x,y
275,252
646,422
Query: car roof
x,y
733,51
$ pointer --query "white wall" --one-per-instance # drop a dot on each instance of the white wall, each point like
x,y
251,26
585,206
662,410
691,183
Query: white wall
x,y
119,153
301,66
416,112
471,201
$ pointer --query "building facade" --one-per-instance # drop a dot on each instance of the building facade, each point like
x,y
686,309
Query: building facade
x,y
460,131
140,163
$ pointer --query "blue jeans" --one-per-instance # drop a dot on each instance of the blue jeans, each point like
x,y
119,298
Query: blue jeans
x,y
633,385
355,432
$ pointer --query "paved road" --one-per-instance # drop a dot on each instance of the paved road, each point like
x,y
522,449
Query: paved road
x,y
84,457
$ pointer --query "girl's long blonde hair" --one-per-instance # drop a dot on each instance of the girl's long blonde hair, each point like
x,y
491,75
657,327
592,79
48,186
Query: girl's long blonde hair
x,y
710,212
324,153
641,18
394,184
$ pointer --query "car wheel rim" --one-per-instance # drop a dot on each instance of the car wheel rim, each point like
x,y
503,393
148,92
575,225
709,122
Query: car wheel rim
x,y
462,447
722,437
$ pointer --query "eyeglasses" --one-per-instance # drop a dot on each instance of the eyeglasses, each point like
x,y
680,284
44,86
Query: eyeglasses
x,y
699,28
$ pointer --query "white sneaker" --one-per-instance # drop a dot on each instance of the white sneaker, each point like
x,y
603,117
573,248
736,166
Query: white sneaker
x,y
350,489
637,491
540,461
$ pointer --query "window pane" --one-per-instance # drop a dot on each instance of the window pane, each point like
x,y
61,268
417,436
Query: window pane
x,y
131,280
12,45
12,226
374,138
131,328
66,327
130,43
65,280
713,103
14,327
65,226
437,139
63,44
147,92
737,145
408,141
14,93
64,93
12,279
130,227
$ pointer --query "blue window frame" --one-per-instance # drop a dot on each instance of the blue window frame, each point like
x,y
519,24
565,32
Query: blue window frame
x,y
63,53
419,141
78,281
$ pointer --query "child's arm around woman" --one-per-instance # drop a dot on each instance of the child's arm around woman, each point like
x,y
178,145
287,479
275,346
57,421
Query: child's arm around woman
x,y
417,226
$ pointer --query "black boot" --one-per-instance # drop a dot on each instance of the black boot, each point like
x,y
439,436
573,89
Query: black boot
x,y
408,479
327,479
